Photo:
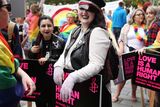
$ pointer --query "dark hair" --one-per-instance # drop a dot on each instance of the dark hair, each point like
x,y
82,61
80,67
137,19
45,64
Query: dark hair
x,y
1,3
44,17
56,30
99,20
121,4
40,36
127,11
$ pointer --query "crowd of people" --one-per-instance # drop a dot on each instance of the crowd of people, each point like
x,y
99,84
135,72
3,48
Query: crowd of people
x,y
139,33
80,46
14,81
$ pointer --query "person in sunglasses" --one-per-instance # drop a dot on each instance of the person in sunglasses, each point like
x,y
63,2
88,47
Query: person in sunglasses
x,y
11,34
85,51
10,89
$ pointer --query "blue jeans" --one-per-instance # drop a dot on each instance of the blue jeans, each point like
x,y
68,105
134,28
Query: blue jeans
x,y
11,96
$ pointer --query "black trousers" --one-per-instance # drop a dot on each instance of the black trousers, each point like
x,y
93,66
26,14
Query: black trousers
x,y
116,32
47,96
106,97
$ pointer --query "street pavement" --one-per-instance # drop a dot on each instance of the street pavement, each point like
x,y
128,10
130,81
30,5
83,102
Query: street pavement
x,y
124,98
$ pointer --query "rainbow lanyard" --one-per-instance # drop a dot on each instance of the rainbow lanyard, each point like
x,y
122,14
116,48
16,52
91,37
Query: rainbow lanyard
x,y
135,26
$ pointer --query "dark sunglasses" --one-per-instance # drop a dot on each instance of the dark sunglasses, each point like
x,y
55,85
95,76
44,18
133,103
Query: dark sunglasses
x,y
8,7
89,8
130,48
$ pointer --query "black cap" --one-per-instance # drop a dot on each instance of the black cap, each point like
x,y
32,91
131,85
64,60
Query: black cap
x,y
98,3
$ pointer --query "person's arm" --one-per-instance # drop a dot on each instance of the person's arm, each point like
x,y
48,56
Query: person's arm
x,y
34,51
24,41
121,48
60,61
122,40
27,82
59,66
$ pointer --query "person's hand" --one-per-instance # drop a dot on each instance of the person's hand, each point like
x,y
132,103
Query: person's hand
x,y
35,49
58,75
67,87
141,51
27,82
42,61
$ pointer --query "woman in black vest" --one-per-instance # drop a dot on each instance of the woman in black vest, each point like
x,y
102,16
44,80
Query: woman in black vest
x,y
85,51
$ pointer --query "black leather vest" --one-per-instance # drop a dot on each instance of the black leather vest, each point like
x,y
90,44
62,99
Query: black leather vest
x,y
80,55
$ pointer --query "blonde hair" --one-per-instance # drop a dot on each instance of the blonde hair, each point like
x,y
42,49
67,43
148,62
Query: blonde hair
x,y
131,21
35,8
153,9
71,14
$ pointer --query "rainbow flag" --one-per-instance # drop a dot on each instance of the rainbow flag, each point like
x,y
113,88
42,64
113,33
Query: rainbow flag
x,y
6,56
65,30
33,27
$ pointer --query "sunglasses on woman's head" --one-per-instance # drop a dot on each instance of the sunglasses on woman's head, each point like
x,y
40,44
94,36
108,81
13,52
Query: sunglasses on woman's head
x,y
8,7
89,8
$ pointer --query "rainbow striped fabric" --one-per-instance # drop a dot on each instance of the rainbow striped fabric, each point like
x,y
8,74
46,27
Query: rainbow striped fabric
x,y
33,27
65,30
6,56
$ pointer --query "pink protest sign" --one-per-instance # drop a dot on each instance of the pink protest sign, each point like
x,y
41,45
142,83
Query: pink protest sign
x,y
129,62
41,75
85,94
147,71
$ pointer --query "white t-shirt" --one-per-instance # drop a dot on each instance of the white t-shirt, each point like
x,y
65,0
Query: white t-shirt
x,y
132,40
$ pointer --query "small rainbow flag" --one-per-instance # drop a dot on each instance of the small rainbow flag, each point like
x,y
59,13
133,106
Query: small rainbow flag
x,y
33,28
65,30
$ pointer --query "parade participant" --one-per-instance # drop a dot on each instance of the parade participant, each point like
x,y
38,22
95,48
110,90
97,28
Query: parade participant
x,y
11,34
10,91
132,37
153,24
118,19
32,20
68,26
47,47
76,17
85,57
